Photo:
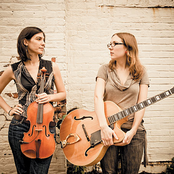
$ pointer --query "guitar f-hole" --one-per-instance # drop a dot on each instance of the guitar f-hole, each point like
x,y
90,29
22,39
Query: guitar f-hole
x,y
82,118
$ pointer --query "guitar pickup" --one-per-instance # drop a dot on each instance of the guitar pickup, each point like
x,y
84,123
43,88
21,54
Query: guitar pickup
x,y
95,138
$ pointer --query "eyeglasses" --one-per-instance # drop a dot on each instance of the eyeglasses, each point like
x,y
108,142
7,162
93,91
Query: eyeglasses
x,y
109,45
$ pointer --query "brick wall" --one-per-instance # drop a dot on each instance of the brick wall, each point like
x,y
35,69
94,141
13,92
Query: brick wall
x,y
90,24
14,16
77,32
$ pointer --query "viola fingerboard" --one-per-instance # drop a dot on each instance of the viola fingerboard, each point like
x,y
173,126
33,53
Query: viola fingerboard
x,y
120,115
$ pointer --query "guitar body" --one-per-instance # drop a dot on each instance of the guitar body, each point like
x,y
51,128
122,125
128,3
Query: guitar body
x,y
80,132
76,135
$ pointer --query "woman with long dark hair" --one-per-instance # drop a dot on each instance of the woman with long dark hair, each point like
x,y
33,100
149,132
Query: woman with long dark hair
x,y
30,46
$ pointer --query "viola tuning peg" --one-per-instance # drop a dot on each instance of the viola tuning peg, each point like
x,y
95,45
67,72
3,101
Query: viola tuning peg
x,y
44,70
38,75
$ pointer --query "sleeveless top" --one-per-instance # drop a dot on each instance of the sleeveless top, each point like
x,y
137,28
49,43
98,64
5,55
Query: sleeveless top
x,y
27,87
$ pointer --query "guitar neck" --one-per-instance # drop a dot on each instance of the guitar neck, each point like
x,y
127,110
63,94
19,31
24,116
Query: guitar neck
x,y
120,115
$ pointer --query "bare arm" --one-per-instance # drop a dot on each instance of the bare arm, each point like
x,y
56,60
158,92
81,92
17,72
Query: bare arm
x,y
106,132
138,115
61,93
5,78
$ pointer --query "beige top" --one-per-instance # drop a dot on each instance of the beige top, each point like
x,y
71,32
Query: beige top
x,y
124,96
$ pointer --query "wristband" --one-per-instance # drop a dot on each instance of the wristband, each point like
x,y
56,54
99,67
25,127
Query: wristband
x,y
9,111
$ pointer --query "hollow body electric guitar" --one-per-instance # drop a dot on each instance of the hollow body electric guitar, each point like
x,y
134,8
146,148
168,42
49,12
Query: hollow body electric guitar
x,y
80,133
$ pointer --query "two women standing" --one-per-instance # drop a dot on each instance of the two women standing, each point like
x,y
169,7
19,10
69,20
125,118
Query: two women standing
x,y
123,81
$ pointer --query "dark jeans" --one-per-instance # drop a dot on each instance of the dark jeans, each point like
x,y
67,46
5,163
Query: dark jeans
x,y
23,164
131,156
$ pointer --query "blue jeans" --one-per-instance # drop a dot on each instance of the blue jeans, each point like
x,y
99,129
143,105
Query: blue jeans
x,y
25,165
131,156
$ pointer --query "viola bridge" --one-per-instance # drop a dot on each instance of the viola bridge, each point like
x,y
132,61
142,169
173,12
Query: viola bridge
x,y
38,130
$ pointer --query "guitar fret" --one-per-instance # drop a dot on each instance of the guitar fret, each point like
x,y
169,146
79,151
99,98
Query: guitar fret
x,y
141,105
145,103
135,108
126,112
138,106
130,111
149,101
115,117
123,114
153,99
157,97
167,93
111,119
162,95
119,115
171,90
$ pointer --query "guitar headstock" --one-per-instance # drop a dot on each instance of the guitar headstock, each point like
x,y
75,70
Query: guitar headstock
x,y
172,90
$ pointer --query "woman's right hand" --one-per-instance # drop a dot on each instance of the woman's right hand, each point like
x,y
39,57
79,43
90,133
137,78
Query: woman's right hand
x,y
18,110
107,135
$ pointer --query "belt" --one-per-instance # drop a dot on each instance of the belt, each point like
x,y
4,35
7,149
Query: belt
x,y
19,118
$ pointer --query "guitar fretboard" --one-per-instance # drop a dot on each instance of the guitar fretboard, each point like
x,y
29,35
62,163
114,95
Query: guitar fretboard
x,y
120,115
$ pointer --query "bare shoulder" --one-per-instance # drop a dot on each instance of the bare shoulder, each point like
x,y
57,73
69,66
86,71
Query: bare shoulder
x,y
55,68
8,73
6,77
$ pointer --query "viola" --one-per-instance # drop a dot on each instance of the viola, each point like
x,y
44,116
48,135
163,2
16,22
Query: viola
x,y
39,142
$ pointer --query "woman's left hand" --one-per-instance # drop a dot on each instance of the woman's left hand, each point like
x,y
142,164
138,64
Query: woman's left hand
x,y
128,137
42,98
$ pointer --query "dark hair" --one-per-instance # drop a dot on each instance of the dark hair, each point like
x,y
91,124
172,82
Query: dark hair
x,y
26,33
